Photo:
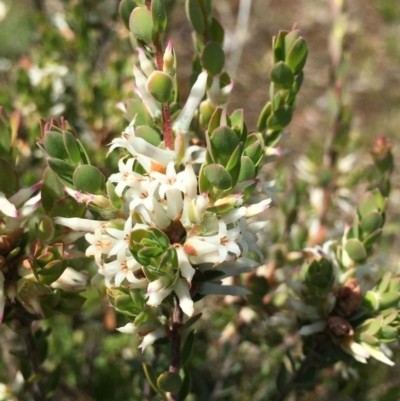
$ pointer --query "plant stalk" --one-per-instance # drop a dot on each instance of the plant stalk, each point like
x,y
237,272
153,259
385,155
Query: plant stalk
x,y
175,336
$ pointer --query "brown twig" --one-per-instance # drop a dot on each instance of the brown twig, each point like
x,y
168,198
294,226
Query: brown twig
x,y
175,336
37,388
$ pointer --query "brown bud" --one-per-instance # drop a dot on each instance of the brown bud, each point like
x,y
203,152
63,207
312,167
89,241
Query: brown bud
x,y
3,263
5,245
349,296
339,326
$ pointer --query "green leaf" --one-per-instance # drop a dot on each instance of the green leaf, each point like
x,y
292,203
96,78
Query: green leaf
x,y
190,322
279,46
52,189
218,176
63,169
217,32
159,15
355,249
152,378
89,179
141,25
54,145
247,169
262,119
186,384
372,238
195,16
290,39
149,134
371,222
389,333
9,182
125,9
297,57
67,207
169,382
384,282
70,303
223,141
72,147
160,85
187,348
389,299
213,58
280,118
367,205
371,301
282,76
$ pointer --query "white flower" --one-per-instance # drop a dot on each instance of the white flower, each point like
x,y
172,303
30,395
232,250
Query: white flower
x,y
6,207
78,224
148,101
71,280
100,243
157,291
181,124
126,177
123,268
152,337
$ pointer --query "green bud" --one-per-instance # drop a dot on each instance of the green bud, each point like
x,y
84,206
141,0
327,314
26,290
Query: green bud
x,y
160,86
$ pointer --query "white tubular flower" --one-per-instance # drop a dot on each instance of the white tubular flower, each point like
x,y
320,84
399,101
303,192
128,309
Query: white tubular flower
x,y
7,208
78,224
185,301
100,243
149,156
145,64
157,291
126,177
195,210
123,268
71,280
121,236
187,270
174,203
151,105
152,337
168,180
257,208
216,248
181,124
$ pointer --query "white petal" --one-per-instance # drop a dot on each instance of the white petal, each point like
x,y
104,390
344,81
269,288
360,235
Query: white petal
x,y
6,207
309,329
185,301
79,224
196,95
257,208
152,337
129,328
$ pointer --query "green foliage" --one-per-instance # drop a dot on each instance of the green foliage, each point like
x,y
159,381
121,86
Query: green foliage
x,y
320,277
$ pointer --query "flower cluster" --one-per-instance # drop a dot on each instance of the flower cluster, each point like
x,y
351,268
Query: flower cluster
x,y
163,201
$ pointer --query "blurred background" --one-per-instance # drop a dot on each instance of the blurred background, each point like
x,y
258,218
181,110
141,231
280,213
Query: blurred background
x,y
73,58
